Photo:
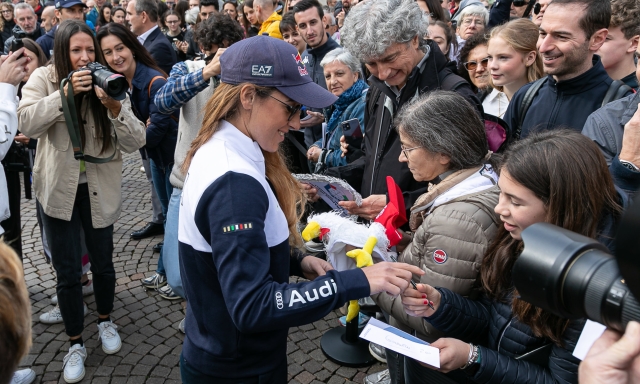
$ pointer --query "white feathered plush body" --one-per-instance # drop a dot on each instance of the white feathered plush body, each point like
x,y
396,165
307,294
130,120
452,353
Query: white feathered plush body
x,y
344,231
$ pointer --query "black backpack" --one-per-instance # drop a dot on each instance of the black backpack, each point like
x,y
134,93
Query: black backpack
x,y
617,90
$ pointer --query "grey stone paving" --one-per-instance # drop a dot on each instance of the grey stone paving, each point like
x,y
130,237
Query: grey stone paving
x,y
147,323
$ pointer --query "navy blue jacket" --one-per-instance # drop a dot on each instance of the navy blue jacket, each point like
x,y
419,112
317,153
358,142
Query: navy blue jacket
x,y
162,132
235,264
565,104
161,50
46,41
502,337
492,325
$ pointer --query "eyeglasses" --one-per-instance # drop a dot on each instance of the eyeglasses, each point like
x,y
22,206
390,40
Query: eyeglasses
x,y
172,21
536,8
473,65
520,3
405,151
6,11
471,20
292,110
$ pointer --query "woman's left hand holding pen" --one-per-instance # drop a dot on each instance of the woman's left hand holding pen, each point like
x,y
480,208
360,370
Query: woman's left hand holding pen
x,y
423,301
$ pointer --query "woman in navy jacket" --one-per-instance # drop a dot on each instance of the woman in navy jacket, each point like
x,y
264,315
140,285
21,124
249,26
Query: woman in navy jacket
x,y
238,220
127,56
558,177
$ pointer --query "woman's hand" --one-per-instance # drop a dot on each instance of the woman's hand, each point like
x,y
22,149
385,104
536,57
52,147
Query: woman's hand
x,y
392,278
313,154
81,81
316,118
313,267
340,18
113,105
310,191
344,147
22,139
13,67
370,208
182,45
454,354
415,303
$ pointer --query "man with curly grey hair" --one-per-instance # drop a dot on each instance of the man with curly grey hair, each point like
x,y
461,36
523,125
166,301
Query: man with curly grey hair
x,y
388,36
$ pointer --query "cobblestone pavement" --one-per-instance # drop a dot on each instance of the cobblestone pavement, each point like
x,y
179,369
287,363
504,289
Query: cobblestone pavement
x,y
147,323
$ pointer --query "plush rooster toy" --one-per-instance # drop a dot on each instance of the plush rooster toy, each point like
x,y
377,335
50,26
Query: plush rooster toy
x,y
373,241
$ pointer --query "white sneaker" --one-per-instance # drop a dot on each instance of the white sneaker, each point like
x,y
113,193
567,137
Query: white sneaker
x,y
73,364
111,342
86,291
23,376
55,317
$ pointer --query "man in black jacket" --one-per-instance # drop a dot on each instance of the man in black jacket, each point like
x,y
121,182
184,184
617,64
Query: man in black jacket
x,y
387,35
576,83
143,17
311,20
27,22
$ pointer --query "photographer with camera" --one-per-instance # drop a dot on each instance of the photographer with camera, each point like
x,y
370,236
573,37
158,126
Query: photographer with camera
x,y
557,177
79,185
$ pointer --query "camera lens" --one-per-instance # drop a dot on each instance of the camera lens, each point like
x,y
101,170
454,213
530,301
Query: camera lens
x,y
115,85
573,277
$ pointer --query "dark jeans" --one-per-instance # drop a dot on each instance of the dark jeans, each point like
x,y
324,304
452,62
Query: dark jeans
x,y
190,375
66,253
12,226
395,363
164,189
415,373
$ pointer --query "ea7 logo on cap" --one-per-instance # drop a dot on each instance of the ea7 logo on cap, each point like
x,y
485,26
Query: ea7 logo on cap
x,y
440,256
262,70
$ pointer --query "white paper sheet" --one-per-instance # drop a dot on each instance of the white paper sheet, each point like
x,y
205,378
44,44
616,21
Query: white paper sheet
x,y
401,342
589,335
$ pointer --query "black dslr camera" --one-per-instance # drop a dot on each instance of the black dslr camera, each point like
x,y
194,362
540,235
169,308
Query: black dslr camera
x,y
114,84
574,277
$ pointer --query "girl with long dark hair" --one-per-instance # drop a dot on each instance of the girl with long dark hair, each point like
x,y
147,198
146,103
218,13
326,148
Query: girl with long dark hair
x,y
79,193
558,177
124,54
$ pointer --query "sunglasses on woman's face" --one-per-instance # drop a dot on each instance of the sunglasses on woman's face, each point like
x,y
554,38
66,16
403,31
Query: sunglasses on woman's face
x,y
473,65
520,3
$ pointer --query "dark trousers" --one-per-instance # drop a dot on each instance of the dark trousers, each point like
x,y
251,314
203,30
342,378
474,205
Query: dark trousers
x,y
66,253
190,375
12,227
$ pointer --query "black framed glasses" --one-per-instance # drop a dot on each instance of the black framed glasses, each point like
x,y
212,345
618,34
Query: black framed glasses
x,y
405,151
473,65
292,109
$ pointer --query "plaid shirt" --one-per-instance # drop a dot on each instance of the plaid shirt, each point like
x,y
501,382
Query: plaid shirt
x,y
181,86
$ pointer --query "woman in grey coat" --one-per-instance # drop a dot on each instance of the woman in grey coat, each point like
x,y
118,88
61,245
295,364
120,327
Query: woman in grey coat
x,y
444,143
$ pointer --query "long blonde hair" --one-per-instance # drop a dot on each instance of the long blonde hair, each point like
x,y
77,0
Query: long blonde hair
x,y
224,104
522,36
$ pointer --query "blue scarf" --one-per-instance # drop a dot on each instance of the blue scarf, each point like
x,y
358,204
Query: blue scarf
x,y
347,97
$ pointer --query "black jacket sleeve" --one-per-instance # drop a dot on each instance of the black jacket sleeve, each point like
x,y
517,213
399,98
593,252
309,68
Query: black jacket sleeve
x,y
563,366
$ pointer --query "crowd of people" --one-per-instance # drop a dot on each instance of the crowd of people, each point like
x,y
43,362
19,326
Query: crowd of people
x,y
490,116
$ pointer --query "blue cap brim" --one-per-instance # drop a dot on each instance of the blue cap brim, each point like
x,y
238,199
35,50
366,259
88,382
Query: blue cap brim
x,y
309,94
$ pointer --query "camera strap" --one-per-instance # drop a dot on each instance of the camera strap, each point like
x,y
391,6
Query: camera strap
x,y
71,119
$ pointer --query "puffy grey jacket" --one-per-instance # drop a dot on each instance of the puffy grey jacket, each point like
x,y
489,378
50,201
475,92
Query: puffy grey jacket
x,y
448,245
606,128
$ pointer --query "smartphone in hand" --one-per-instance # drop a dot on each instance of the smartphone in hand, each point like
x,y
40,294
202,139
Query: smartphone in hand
x,y
352,131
